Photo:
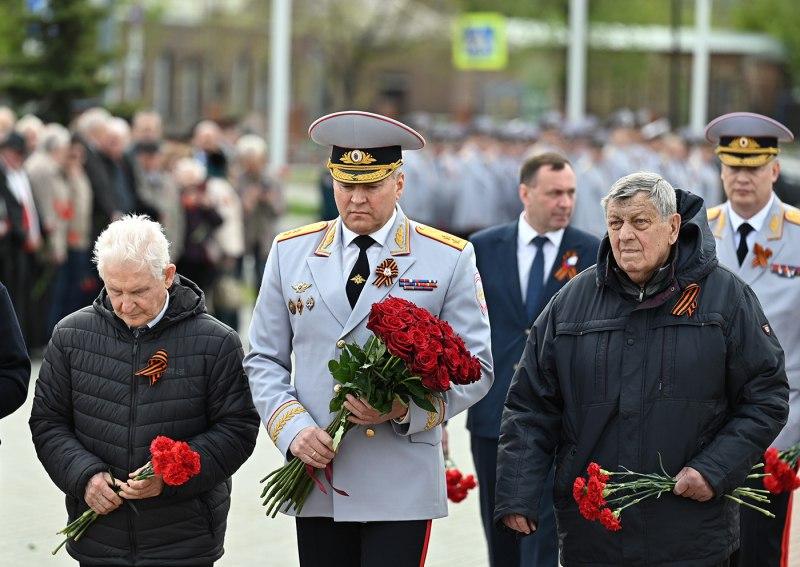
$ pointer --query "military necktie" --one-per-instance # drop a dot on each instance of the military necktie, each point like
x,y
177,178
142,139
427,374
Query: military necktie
x,y
533,297
360,273
744,229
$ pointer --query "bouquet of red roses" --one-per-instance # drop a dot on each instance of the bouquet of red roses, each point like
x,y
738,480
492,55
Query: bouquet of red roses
x,y
412,356
175,461
779,469
457,484
600,499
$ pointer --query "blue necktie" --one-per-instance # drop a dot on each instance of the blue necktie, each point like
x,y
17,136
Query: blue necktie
x,y
533,297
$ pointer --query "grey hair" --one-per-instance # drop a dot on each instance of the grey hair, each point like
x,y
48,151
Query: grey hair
x,y
658,190
133,240
53,137
251,145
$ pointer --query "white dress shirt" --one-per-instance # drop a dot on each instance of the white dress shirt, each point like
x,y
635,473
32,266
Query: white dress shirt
x,y
756,221
350,249
160,315
526,251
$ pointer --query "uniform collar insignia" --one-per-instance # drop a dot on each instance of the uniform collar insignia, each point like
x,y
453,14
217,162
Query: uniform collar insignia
x,y
156,366
761,256
687,302
569,266
402,238
776,225
324,247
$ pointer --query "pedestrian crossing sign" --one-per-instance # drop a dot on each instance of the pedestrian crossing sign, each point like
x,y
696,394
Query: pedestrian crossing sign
x,y
479,42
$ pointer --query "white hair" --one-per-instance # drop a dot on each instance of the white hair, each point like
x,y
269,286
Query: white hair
x,y
658,190
188,171
27,123
92,120
251,145
118,127
53,137
133,240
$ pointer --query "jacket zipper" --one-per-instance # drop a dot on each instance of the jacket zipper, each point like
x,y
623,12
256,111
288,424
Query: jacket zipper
x,y
131,432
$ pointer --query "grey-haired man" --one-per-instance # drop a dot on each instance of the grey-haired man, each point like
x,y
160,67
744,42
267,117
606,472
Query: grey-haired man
x,y
656,353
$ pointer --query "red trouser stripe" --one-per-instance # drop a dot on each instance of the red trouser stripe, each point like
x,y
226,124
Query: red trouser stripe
x,y
425,545
787,529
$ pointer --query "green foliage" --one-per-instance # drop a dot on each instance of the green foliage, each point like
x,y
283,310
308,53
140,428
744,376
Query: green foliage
x,y
778,18
52,58
377,376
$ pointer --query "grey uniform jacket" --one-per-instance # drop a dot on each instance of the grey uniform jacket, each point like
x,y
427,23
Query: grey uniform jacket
x,y
399,473
776,283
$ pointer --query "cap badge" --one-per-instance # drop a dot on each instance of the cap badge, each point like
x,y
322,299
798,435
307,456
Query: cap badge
x,y
357,157
744,142
385,273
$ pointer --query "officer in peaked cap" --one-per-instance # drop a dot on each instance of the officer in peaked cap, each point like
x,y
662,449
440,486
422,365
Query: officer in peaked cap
x,y
758,237
319,285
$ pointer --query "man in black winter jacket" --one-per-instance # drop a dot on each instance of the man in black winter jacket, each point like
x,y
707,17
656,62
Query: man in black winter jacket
x,y
144,360
657,350
15,366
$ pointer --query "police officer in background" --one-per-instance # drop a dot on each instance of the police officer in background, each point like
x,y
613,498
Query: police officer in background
x,y
758,238
324,276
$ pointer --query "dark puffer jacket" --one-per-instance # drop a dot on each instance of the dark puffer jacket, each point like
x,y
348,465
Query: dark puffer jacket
x,y
606,377
92,414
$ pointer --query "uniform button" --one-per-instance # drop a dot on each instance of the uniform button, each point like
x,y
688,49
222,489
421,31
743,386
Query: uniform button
x,y
340,343
527,332
630,342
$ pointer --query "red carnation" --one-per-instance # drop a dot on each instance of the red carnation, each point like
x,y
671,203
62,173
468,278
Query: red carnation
x,y
610,520
579,489
457,484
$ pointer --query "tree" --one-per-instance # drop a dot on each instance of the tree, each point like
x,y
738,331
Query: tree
x,y
53,59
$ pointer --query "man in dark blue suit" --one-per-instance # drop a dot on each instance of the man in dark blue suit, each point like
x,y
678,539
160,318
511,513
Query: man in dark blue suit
x,y
522,265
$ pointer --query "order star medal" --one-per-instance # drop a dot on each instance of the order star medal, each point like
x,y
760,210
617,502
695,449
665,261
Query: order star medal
x,y
385,273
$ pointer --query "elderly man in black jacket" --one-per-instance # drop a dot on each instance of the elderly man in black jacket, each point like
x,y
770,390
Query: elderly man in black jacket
x,y
144,360
15,366
657,350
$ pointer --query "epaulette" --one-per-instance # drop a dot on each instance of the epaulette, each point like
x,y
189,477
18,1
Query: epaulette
x,y
713,212
301,231
792,215
441,236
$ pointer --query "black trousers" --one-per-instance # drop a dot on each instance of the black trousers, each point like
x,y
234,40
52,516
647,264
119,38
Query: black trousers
x,y
761,537
321,542
506,549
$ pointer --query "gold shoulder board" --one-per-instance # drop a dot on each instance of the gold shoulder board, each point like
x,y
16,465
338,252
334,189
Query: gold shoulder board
x,y
441,236
301,231
792,215
713,212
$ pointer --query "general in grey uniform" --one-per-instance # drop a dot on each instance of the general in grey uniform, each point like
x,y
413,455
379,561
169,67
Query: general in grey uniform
x,y
317,291
758,238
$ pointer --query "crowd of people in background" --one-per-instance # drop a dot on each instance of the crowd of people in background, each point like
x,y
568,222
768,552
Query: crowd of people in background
x,y
466,179
60,186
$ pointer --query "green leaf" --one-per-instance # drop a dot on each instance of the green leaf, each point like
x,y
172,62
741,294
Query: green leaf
x,y
423,403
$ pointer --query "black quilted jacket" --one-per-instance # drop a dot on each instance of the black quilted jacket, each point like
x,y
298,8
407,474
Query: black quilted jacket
x,y
91,414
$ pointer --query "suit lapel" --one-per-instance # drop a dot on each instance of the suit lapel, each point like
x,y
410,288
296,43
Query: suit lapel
x,y
553,284
327,274
770,242
509,271
371,292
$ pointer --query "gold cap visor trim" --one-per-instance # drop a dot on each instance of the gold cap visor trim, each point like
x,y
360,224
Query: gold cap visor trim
x,y
736,160
362,174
